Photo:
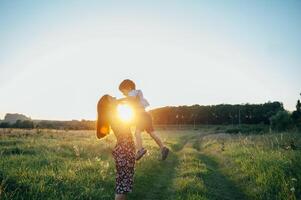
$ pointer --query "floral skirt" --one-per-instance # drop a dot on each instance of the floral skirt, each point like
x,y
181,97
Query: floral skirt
x,y
124,155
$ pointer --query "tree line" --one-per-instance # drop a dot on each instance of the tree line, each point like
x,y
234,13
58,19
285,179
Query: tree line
x,y
217,114
270,113
67,125
45,124
25,124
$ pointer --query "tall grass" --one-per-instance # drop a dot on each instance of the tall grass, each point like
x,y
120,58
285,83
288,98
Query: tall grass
x,y
267,163
203,164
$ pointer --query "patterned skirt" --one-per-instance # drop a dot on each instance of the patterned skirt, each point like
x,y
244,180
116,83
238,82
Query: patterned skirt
x,y
124,155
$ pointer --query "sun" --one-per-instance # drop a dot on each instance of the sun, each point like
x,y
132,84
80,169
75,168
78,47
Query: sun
x,y
125,112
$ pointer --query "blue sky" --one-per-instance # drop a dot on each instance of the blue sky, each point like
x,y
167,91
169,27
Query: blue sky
x,y
58,57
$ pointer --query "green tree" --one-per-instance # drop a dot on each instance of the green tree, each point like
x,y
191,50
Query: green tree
x,y
281,121
298,106
4,125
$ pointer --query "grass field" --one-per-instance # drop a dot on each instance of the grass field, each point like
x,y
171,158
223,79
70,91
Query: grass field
x,y
203,164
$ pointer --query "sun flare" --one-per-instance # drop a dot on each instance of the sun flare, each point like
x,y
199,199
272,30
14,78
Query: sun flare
x,y
125,112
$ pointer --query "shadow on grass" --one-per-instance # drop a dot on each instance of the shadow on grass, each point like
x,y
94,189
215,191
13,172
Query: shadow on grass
x,y
218,185
10,188
16,151
10,142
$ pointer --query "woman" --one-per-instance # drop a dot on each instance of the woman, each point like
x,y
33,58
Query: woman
x,y
124,151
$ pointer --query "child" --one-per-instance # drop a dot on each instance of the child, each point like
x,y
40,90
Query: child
x,y
143,119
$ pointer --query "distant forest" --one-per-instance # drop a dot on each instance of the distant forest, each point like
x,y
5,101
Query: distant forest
x,y
271,113
47,124
217,114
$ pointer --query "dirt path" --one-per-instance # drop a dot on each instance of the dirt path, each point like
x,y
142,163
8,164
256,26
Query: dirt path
x,y
187,174
218,185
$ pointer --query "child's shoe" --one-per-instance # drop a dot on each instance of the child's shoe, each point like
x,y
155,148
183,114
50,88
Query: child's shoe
x,y
164,153
140,153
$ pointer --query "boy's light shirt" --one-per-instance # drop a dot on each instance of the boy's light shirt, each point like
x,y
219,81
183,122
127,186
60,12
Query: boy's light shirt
x,y
138,93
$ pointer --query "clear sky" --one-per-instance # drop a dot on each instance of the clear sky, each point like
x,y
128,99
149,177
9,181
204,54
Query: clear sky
x,y
58,57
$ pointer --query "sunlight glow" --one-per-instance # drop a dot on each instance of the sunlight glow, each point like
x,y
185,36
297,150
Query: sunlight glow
x,y
125,112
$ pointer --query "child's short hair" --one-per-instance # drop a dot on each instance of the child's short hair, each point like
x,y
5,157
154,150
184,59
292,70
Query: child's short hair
x,y
127,84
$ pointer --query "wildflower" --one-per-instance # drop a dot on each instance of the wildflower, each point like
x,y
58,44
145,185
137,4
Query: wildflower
x,y
76,150
294,179
292,189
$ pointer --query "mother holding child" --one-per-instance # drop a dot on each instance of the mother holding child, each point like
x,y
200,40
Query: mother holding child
x,y
124,152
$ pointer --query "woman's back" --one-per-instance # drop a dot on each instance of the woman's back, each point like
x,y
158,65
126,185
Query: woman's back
x,y
121,131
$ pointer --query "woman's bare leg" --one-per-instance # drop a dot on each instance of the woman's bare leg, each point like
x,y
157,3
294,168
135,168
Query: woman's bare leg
x,y
120,197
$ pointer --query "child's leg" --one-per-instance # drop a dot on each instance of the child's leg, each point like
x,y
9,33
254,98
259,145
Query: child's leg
x,y
141,151
150,129
157,139
138,139
164,149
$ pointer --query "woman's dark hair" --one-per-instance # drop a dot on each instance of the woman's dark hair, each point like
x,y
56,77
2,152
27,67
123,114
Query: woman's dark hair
x,y
127,84
103,120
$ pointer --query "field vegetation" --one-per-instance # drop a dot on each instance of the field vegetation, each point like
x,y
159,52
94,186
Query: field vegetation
x,y
206,162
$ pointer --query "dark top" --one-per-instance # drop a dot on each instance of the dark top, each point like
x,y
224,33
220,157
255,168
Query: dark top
x,y
124,156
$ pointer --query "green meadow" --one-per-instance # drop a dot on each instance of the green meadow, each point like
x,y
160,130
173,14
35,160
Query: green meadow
x,y
204,163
